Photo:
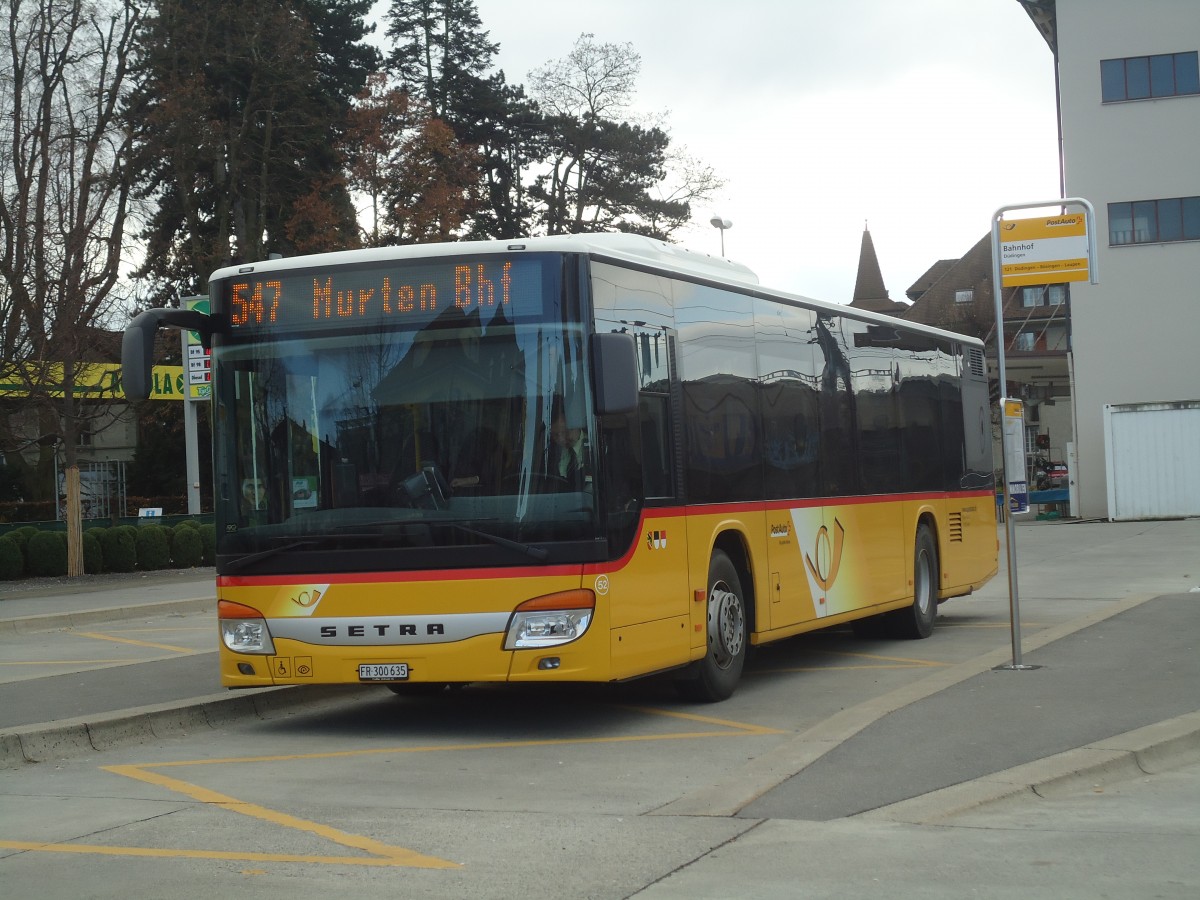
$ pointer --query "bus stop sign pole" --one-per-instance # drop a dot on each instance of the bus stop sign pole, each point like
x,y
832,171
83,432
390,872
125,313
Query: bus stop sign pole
x,y
1032,252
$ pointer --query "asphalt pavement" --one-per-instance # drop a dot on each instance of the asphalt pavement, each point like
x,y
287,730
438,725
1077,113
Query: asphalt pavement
x,y
1111,693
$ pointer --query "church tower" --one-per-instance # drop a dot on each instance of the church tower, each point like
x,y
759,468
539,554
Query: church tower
x,y
869,291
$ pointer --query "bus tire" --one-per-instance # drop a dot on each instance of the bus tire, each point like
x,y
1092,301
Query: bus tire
x,y
715,677
916,621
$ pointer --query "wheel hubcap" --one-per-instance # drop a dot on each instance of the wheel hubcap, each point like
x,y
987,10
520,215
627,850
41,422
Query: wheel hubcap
x,y
726,624
924,582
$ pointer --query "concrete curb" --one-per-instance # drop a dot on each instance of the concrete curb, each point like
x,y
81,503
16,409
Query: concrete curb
x,y
1156,748
91,617
87,735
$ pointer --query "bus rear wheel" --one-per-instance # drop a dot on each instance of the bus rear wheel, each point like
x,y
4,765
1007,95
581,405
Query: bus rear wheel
x,y
715,677
916,621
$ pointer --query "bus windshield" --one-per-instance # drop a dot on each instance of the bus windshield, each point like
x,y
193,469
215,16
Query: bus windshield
x,y
377,445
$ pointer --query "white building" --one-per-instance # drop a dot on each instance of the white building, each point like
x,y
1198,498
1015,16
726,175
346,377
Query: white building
x,y
1129,101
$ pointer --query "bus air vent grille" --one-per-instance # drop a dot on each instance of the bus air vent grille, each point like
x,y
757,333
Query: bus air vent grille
x,y
956,527
975,361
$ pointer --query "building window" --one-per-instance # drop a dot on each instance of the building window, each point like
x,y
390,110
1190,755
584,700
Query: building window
x,y
1147,77
1154,221
1044,295
1031,436
1025,341
966,296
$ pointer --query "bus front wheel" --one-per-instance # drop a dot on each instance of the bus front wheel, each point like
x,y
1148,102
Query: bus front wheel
x,y
715,677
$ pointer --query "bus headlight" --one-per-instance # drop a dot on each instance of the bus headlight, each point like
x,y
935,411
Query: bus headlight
x,y
550,620
243,629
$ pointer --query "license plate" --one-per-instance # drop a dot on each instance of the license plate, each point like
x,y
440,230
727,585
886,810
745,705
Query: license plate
x,y
383,672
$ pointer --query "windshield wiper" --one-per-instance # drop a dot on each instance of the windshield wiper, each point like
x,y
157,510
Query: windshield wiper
x,y
243,561
538,553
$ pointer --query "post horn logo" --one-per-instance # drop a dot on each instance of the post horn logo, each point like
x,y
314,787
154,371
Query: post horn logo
x,y
825,570
307,599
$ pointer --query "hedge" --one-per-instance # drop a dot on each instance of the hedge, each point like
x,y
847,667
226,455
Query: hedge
x,y
12,560
153,547
119,548
208,538
46,554
93,553
123,548
187,549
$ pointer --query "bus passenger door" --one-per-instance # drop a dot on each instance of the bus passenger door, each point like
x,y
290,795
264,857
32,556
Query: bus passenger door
x,y
650,621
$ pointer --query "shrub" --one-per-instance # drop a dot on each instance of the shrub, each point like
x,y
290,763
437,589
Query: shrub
x,y
12,560
187,549
208,538
22,535
47,553
93,554
119,548
153,547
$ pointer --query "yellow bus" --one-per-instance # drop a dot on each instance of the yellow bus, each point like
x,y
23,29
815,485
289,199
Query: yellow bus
x,y
586,458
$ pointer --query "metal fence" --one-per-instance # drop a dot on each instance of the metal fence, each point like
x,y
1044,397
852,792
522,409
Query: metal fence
x,y
101,490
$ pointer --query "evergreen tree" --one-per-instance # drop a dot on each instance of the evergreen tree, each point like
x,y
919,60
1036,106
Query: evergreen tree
x,y
238,113
442,56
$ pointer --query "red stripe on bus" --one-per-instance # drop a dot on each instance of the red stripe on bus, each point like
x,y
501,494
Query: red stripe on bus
x,y
579,569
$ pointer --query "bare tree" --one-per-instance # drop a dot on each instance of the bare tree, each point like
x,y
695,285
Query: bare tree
x,y
606,170
64,204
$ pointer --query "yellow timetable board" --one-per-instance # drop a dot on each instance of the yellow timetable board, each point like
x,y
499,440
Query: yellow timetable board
x,y
1044,251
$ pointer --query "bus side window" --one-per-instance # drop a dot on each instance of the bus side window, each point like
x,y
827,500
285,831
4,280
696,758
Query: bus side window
x,y
654,416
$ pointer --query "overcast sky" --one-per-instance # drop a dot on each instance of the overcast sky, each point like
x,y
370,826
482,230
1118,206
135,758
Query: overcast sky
x,y
919,117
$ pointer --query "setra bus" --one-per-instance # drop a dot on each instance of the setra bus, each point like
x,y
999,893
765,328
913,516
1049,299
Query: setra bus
x,y
578,458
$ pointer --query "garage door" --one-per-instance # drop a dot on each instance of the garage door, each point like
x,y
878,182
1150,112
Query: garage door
x,y
1153,453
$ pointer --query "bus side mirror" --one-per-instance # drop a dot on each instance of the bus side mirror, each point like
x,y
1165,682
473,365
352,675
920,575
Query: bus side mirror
x,y
614,373
137,345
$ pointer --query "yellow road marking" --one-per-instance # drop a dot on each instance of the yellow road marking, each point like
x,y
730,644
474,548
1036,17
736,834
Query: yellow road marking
x,y
383,854
398,855
891,659
169,628
484,745
740,727
785,669
884,662
136,643
62,662
102,850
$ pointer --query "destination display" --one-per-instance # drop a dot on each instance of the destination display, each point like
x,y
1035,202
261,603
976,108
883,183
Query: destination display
x,y
384,294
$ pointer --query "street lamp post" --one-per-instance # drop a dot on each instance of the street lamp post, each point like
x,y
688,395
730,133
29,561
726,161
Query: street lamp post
x,y
721,224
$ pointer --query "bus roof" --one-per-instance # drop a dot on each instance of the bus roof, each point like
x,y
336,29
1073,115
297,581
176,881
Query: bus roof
x,y
632,248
